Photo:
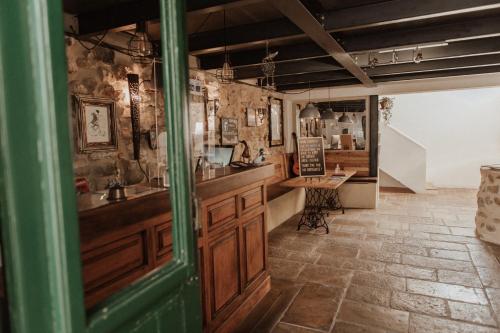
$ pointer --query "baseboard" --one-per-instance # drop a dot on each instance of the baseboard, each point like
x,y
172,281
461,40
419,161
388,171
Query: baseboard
x,y
389,189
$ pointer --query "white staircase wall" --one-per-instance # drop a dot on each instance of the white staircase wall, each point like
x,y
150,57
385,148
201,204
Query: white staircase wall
x,y
403,158
386,180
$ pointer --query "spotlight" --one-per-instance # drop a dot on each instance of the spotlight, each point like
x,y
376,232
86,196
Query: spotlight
x,y
372,61
417,55
395,57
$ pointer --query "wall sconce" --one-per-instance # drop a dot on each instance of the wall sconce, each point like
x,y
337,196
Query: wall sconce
x,y
135,99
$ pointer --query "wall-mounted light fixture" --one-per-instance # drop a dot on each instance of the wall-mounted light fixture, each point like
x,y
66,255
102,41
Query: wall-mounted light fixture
x,y
135,115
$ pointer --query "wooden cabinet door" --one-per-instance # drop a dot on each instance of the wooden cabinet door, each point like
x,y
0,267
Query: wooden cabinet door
x,y
254,248
224,270
112,266
251,200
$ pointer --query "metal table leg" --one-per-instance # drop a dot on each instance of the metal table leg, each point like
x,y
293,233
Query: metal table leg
x,y
314,212
333,202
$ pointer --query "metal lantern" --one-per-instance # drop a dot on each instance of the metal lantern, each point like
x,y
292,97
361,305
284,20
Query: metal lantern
x,y
226,73
139,47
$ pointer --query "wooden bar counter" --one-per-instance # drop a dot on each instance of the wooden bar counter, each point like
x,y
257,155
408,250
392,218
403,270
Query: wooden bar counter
x,y
120,242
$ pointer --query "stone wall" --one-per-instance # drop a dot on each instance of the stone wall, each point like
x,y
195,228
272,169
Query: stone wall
x,y
234,98
488,202
102,72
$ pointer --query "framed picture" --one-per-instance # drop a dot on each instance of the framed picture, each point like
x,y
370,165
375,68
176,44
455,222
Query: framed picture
x,y
251,117
229,131
261,115
255,117
96,121
211,111
216,105
195,87
276,122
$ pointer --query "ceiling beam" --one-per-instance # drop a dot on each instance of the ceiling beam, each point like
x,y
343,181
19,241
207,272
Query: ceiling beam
x,y
374,15
397,77
289,68
461,50
396,69
426,34
299,15
436,65
436,74
313,77
200,7
117,15
438,68
399,11
125,13
294,52
398,38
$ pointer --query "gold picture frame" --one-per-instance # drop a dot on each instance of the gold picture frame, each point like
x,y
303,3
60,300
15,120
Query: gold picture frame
x,y
96,124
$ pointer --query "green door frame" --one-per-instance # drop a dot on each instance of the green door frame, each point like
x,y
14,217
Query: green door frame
x,y
38,214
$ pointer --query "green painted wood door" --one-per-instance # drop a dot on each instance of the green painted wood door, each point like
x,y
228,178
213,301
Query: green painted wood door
x,y
38,210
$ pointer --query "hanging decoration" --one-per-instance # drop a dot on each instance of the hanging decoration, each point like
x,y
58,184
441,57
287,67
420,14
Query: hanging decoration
x,y
268,68
225,74
385,106
140,47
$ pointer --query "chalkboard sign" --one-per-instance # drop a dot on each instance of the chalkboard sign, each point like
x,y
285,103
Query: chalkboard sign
x,y
311,157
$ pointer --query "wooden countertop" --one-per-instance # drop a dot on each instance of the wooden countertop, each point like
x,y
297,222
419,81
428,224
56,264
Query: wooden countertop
x,y
328,182
98,216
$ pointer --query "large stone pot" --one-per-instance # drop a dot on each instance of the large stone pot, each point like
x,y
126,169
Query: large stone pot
x,y
488,202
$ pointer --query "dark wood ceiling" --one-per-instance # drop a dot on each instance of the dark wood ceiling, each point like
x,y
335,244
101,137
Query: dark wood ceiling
x,y
464,36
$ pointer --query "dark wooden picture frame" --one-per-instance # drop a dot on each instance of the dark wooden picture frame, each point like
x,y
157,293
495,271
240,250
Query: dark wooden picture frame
x,y
273,126
102,126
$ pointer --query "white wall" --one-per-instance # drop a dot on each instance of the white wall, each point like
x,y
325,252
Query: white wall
x,y
460,129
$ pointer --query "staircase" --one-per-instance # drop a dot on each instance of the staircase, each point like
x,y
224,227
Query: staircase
x,y
403,159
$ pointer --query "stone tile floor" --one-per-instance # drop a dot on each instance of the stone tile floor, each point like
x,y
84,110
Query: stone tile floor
x,y
412,265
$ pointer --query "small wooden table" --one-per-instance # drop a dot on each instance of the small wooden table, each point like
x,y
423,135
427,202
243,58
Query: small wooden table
x,y
321,195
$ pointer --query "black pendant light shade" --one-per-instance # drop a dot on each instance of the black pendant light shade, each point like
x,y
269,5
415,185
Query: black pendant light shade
x,y
309,112
345,119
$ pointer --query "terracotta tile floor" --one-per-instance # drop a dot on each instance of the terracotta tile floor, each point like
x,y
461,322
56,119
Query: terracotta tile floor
x,y
412,265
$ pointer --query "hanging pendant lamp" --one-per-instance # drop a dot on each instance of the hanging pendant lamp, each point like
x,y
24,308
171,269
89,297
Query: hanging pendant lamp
x,y
310,111
226,73
344,118
140,47
328,113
